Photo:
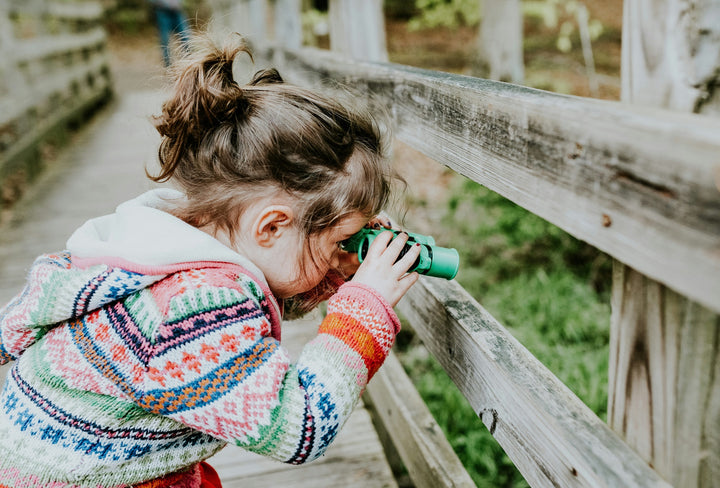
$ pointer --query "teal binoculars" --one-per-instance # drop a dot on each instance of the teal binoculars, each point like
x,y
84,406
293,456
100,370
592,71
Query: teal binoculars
x,y
441,262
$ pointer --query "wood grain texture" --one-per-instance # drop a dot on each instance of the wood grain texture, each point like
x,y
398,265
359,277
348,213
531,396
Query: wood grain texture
x,y
53,71
551,436
639,184
419,440
670,54
664,396
664,392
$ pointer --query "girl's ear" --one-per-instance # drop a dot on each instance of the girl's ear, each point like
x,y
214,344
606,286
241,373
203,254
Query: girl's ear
x,y
271,223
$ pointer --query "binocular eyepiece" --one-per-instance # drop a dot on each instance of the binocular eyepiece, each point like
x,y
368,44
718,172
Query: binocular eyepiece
x,y
441,262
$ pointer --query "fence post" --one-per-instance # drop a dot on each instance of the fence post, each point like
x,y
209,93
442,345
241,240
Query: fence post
x,y
500,41
249,18
288,23
664,378
357,29
9,75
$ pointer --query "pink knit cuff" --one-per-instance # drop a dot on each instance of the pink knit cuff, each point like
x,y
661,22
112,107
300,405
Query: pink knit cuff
x,y
372,299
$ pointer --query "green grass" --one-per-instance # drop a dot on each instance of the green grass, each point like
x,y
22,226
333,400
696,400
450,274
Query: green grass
x,y
551,292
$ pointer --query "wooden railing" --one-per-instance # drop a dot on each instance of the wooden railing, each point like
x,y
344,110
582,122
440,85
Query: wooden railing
x,y
640,184
53,70
583,165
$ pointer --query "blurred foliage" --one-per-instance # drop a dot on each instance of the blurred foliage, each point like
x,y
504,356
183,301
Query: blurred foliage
x,y
315,28
548,289
560,15
129,16
400,9
444,13
557,15
501,238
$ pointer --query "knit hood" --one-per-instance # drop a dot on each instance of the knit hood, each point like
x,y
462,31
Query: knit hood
x,y
107,259
142,236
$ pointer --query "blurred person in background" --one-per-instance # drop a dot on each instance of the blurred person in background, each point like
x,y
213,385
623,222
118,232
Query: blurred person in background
x,y
170,20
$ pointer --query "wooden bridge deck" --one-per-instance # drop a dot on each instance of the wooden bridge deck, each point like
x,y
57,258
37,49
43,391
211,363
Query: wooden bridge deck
x,y
102,167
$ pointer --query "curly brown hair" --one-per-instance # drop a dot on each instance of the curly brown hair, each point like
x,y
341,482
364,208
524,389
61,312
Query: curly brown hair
x,y
225,145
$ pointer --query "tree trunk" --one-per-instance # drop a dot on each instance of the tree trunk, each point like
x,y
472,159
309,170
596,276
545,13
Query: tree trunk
x,y
357,29
500,42
249,19
288,24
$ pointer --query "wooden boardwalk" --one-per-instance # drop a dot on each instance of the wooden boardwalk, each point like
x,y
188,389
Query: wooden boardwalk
x,y
103,167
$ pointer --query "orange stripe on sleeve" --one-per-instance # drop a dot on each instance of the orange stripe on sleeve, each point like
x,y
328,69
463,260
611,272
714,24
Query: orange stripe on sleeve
x,y
352,333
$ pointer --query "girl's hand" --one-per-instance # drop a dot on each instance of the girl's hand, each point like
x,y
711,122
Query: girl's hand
x,y
379,221
380,271
348,261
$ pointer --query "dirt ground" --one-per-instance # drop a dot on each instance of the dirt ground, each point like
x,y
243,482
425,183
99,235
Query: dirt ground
x,y
135,61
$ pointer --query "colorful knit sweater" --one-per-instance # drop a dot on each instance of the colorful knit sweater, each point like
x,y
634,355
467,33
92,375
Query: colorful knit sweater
x,y
136,359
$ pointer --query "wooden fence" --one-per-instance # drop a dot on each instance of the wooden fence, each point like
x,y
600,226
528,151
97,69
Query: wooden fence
x,y
53,70
640,184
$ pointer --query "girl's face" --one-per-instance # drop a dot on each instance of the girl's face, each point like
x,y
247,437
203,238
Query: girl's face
x,y
313,260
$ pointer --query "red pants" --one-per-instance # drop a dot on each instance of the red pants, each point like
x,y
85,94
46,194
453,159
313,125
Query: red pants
x,y
203,472
209,476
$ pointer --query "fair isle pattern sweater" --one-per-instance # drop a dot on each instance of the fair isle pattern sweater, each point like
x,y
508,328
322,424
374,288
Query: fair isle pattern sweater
x,y
127,373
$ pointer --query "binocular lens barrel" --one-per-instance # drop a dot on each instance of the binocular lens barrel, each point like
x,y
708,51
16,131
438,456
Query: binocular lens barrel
x,y
441,262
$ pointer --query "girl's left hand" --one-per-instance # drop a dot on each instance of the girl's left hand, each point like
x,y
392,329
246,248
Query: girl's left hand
x,y
382,270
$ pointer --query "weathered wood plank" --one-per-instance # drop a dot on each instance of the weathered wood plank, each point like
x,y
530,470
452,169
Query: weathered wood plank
x,y
288,27
664,388
83,100
670,54
551,436
46,46
421,444
247,17
49,78
79,10
57,84
639,184
664,396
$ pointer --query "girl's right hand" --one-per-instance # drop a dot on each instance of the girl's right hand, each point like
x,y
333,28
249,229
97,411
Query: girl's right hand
x,y
380,271
379,221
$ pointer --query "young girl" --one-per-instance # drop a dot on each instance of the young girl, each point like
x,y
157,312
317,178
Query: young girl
x,y
154,340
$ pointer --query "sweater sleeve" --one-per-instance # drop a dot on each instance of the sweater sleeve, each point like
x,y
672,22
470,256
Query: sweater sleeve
x,y
38,307
57,291
218,370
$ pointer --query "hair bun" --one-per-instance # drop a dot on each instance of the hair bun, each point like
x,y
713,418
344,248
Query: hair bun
x,y
243,68
206,94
